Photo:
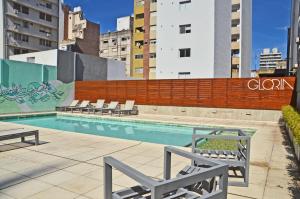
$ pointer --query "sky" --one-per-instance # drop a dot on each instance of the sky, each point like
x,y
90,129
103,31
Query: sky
x,y
270,20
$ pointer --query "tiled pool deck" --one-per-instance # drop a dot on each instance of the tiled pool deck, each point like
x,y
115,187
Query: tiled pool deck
x,y
70,165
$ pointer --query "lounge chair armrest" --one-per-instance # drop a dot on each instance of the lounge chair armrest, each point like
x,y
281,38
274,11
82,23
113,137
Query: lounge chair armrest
x,y
132,173
190,179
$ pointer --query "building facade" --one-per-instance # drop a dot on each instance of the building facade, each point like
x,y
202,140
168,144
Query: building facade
x,y
144,39
184,50
145,31
270,58
28,26
241,39
80,35
117,46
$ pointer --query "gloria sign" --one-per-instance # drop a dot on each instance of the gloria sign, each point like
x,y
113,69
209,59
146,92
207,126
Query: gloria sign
x,y
269,84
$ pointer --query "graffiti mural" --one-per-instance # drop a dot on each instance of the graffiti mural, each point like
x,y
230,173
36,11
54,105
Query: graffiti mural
x,y
34,92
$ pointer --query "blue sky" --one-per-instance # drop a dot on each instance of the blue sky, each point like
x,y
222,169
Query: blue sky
x,y
270,20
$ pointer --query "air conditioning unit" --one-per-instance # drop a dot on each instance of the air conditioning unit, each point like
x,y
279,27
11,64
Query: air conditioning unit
x,y
48,34
16,11
298,40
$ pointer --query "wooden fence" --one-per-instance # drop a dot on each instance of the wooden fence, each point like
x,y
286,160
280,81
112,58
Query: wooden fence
x,y
260,93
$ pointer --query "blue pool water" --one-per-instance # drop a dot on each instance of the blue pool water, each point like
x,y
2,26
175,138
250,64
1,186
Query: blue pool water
x,y
178,135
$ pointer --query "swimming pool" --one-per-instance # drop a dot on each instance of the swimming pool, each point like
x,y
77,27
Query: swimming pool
x,y
177,135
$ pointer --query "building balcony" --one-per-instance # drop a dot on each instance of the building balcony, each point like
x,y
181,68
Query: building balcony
x,y
139,23
235,61
33,33
41,6
152,48
138,36
153,34
153,7
235,15
138,9
235,30
235,45
236,2
153,20
152,62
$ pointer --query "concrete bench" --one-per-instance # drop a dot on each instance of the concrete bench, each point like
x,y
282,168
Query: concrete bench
x,y
19,133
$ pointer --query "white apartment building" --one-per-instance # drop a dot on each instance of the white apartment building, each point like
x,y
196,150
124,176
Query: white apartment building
x,y
270,58
193,39
28,26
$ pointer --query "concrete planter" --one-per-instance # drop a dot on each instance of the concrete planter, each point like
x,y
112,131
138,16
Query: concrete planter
x,y
294,142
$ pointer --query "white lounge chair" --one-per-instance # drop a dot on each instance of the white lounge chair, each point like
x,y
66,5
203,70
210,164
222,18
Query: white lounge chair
x,y
84,104
128,109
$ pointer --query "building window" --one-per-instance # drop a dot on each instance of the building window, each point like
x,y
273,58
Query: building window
x,y
25,24
44,42
46,17
139,70
123,58
21,37
31,59
105,42
20,8
17,51
185,52
139,29
49,5
17,7
184,29
139,16
123,49
153,1
124,39
181,2
153,41
139,56
25,10
152,55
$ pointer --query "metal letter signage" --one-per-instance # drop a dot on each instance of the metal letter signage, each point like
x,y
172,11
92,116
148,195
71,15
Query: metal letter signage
x,y
269,84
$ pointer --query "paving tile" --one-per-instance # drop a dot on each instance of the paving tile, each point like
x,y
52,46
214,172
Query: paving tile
x,y
57,178
80,184
11,178
81,169
26,189
53,193
4,196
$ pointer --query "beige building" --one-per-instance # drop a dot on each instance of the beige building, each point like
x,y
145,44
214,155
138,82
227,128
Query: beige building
x,y
117,45
270,58
241,39
80,35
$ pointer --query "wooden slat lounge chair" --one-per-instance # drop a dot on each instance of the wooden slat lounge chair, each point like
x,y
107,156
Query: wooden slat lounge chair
x,y
19,133
72,105
111,107
128,109
188,186
237,159
98,108
84,104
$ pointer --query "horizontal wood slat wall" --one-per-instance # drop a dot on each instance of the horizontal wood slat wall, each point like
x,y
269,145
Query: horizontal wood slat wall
x,y
265,93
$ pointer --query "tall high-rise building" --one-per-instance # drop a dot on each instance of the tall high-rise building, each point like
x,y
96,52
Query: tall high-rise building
x,y
80,34
147,14
184,49
28,26
241,39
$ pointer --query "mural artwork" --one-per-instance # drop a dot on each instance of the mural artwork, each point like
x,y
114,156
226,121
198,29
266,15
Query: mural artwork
x,y
33,93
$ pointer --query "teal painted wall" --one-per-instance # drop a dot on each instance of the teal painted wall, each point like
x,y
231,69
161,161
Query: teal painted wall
x,y
27,87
